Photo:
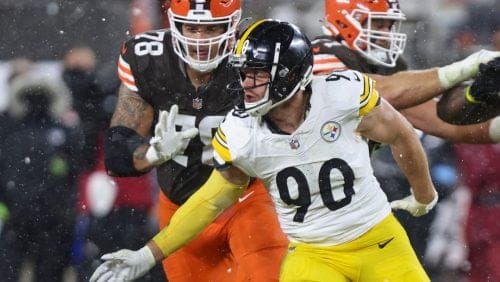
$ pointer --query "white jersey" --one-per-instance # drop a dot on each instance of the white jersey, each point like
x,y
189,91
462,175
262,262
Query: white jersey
x,y
320,177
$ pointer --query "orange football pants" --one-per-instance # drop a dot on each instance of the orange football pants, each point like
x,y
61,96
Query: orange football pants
x,y
245,243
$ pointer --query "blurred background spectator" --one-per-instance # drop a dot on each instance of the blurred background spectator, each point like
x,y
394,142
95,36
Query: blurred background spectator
x,y
39,161
112,212
480,171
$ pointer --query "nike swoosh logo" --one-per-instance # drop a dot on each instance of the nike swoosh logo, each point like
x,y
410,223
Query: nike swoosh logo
x,y
241,199
382,245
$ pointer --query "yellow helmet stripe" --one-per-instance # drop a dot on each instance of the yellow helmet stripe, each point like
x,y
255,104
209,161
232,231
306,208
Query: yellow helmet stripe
x,y
243,38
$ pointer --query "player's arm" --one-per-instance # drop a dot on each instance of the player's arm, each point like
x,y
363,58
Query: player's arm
x,y
126,143
127,152
424,117
220,191
386,125
409,88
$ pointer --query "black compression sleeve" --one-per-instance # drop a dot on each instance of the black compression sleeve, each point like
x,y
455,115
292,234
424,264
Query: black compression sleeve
x,y
119,146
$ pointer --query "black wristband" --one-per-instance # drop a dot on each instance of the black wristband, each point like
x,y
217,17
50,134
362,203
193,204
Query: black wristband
x,y
120,144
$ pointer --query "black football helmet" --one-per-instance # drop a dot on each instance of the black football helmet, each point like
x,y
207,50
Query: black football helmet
x,y
279,48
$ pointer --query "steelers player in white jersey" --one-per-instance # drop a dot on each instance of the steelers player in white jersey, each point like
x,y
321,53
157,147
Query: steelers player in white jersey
x,y
306,138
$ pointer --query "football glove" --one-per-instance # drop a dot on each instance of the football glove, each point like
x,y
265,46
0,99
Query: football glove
x,y
414,207
167,142
486,86
124,265
465,69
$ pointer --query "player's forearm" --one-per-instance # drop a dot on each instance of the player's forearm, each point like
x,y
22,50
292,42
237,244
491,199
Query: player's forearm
x,y
411,158
141,163
424,117
198,212
409,88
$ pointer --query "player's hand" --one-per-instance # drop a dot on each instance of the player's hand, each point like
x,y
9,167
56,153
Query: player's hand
x,y
411,205
465,69
124,265
168,142
486,86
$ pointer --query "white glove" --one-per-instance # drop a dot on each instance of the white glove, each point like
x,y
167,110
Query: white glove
x,y
167,142
124,265
465,69
414,207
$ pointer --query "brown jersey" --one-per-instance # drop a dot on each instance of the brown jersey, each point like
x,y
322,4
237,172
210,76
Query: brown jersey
x,y
149,66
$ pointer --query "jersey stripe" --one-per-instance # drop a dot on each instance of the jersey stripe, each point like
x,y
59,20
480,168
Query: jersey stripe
x,y
125,75
369,98
220,145
325,63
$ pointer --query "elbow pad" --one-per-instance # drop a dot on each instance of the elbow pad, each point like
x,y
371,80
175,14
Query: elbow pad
x,y
120,144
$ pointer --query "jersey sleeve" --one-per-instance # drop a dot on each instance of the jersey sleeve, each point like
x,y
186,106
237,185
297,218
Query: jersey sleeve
x,y
326,63
124,70
369,97
222,154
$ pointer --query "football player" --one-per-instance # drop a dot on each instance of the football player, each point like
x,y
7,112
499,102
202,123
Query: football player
x,y
181,73
364,35
305,138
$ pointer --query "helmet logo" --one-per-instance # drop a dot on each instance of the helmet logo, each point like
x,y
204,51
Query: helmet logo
x,y
200,5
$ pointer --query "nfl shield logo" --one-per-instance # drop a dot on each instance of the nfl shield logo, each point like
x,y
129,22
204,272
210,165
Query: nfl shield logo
x,y
197,103
294,144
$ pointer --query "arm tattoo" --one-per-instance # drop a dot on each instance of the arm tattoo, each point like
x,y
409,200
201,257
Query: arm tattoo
x,y
131,111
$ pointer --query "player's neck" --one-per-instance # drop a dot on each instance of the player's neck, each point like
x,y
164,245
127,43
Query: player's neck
x,y
198,78
291,114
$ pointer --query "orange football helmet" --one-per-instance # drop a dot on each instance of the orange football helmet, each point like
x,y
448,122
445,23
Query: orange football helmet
x,y
204,12
352,22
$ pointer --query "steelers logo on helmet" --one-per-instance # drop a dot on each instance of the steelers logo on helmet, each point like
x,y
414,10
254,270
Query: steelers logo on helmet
x,y
330,131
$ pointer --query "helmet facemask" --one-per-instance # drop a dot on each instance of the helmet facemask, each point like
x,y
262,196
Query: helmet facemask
x,y
354,24
368,41
198,53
